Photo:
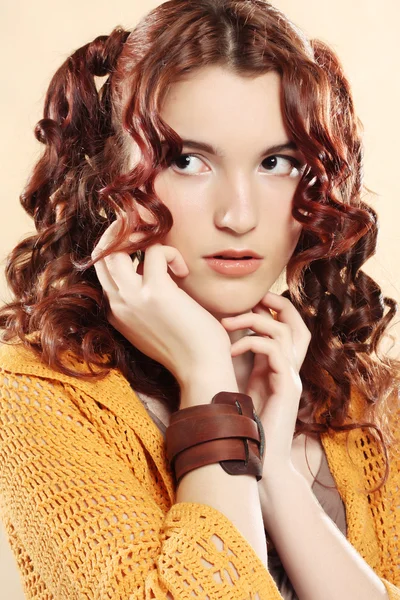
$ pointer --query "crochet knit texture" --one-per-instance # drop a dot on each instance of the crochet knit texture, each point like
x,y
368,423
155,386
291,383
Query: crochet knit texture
x,y
87,497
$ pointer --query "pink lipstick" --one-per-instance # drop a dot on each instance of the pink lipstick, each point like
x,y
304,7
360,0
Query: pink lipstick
x,y
234,266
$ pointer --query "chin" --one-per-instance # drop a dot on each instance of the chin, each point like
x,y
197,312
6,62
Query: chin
x,y
219,312
228,299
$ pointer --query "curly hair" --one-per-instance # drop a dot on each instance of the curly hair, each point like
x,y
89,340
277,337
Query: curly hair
x,y
85,179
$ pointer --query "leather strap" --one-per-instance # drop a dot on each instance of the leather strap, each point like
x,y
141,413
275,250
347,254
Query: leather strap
x,y
227,431
190,432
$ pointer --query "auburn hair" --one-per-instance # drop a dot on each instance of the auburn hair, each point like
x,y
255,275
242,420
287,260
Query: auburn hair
x,y
85,179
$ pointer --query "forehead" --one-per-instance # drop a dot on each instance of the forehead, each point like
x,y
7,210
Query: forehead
x,y
214,99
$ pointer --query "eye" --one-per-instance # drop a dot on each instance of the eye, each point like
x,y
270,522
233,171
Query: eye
x,y
283,165
277,165
184,160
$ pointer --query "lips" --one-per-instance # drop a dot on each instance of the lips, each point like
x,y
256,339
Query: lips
x,y
234,254
233,267
232,257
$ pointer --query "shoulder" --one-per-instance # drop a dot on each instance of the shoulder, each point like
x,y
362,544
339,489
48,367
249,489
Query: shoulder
x,y
36,392
18,361
17,358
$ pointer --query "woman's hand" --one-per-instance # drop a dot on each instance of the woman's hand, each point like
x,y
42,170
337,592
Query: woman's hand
x,y
153,313
275,386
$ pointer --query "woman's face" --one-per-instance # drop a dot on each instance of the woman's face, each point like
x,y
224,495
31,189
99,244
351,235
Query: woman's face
x,y
239,199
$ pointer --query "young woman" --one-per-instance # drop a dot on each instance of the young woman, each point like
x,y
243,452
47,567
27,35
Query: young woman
x,y
156,397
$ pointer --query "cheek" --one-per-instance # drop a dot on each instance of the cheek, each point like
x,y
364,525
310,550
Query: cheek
x,y
186,204
169,195
179,208
282,229
295,236
294,229
277,208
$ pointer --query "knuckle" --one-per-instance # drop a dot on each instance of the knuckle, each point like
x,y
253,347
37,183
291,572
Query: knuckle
x,y
286,329
127,297
150,298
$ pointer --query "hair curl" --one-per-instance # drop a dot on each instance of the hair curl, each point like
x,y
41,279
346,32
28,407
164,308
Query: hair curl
x,y
85,179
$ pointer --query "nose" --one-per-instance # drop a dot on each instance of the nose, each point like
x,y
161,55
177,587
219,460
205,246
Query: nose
x,y
236,205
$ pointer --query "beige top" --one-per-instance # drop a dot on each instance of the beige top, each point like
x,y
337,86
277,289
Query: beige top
x,y
329,500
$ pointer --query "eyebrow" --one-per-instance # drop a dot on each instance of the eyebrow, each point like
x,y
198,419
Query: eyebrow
x,y
196,145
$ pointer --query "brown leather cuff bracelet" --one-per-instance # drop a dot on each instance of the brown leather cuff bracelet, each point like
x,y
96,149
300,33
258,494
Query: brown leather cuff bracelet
x,y
227,431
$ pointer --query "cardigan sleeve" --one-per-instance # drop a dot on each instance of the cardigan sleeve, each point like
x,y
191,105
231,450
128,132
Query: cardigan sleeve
x,y
386,508
82,525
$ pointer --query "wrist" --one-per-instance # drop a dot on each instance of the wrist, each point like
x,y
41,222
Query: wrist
x,y
201,385
204,434
276,483
274,494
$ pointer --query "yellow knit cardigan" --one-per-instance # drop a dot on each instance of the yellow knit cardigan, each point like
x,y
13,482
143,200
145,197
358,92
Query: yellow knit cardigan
x,y
87,498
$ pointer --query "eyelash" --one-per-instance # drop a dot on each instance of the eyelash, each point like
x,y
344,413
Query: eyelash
x,y
293,161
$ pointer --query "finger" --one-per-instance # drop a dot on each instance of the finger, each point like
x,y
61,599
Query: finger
x,y
116,268
112,232
286,313
280,374
104,277
106,280
266,346
158,258
280,332
108,236
123,272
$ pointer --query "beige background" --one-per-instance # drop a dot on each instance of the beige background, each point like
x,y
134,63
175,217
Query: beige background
x,y
36,37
